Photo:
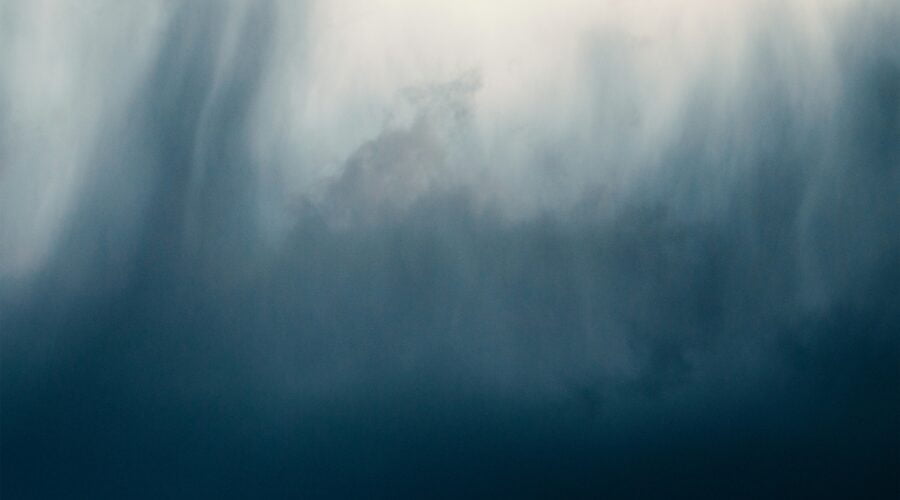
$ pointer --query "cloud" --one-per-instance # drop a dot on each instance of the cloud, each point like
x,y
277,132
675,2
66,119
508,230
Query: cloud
x,y
322,250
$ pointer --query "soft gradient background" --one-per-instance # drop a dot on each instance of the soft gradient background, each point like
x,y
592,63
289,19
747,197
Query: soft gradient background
x,y
446,249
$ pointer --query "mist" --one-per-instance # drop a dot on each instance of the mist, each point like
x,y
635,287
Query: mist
x,y
388,248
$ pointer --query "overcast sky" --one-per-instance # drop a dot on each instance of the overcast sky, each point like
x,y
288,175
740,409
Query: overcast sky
x,y
404,248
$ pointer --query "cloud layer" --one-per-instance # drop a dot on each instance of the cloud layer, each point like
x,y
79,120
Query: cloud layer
x,y
331,249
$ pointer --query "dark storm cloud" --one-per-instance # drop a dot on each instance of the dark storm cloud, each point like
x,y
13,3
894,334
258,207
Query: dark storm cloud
x,y
723,326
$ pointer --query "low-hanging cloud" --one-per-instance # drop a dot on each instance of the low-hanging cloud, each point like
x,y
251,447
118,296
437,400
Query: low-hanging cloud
x,y
331,249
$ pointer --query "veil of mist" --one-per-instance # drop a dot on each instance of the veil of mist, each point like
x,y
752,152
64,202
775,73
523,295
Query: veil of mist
x,y
452,249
